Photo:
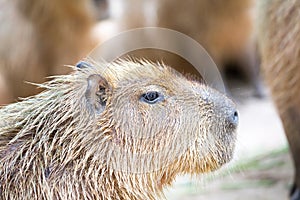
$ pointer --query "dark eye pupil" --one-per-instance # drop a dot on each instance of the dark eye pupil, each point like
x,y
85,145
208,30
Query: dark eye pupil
x,y
151,97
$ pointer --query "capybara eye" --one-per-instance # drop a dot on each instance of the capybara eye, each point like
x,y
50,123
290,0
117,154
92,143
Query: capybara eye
x,y
82,64
152,97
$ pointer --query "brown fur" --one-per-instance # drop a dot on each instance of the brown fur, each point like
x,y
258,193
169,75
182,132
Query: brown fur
x,y
224,28
62,143
279,40
37,38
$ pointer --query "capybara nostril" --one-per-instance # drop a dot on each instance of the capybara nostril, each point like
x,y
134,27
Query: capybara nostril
x,y
234,119
231,117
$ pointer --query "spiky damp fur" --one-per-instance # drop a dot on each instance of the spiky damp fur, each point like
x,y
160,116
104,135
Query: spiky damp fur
x,y
58,145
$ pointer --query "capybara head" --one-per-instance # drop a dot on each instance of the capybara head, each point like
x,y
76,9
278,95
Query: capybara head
x,y
119,130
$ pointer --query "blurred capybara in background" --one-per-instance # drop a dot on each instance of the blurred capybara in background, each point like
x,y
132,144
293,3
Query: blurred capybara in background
x,y
122,130
223,28
37,38
101,9
279,42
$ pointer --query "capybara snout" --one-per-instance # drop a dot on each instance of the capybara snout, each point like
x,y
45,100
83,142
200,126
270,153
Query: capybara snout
x,y
226,109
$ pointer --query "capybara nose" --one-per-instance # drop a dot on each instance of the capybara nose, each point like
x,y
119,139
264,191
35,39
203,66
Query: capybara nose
x,y
226,109
233,119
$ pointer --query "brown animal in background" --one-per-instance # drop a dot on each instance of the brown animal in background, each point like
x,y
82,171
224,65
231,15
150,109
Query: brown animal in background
x,y
279,41
223,28
122,130
37,38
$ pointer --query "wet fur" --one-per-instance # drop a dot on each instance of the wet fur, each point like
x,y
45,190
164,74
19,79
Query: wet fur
x,y
58,145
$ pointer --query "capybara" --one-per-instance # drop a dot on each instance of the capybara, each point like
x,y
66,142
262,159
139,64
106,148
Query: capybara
x,y
120,130
279,41
37,38
223,28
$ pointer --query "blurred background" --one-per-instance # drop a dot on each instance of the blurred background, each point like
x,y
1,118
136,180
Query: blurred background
x,y
39,37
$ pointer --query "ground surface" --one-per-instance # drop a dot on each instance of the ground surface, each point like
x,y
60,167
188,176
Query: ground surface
x,y
262,167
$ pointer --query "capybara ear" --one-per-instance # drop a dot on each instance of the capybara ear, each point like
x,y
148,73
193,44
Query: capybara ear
x,y
96,92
